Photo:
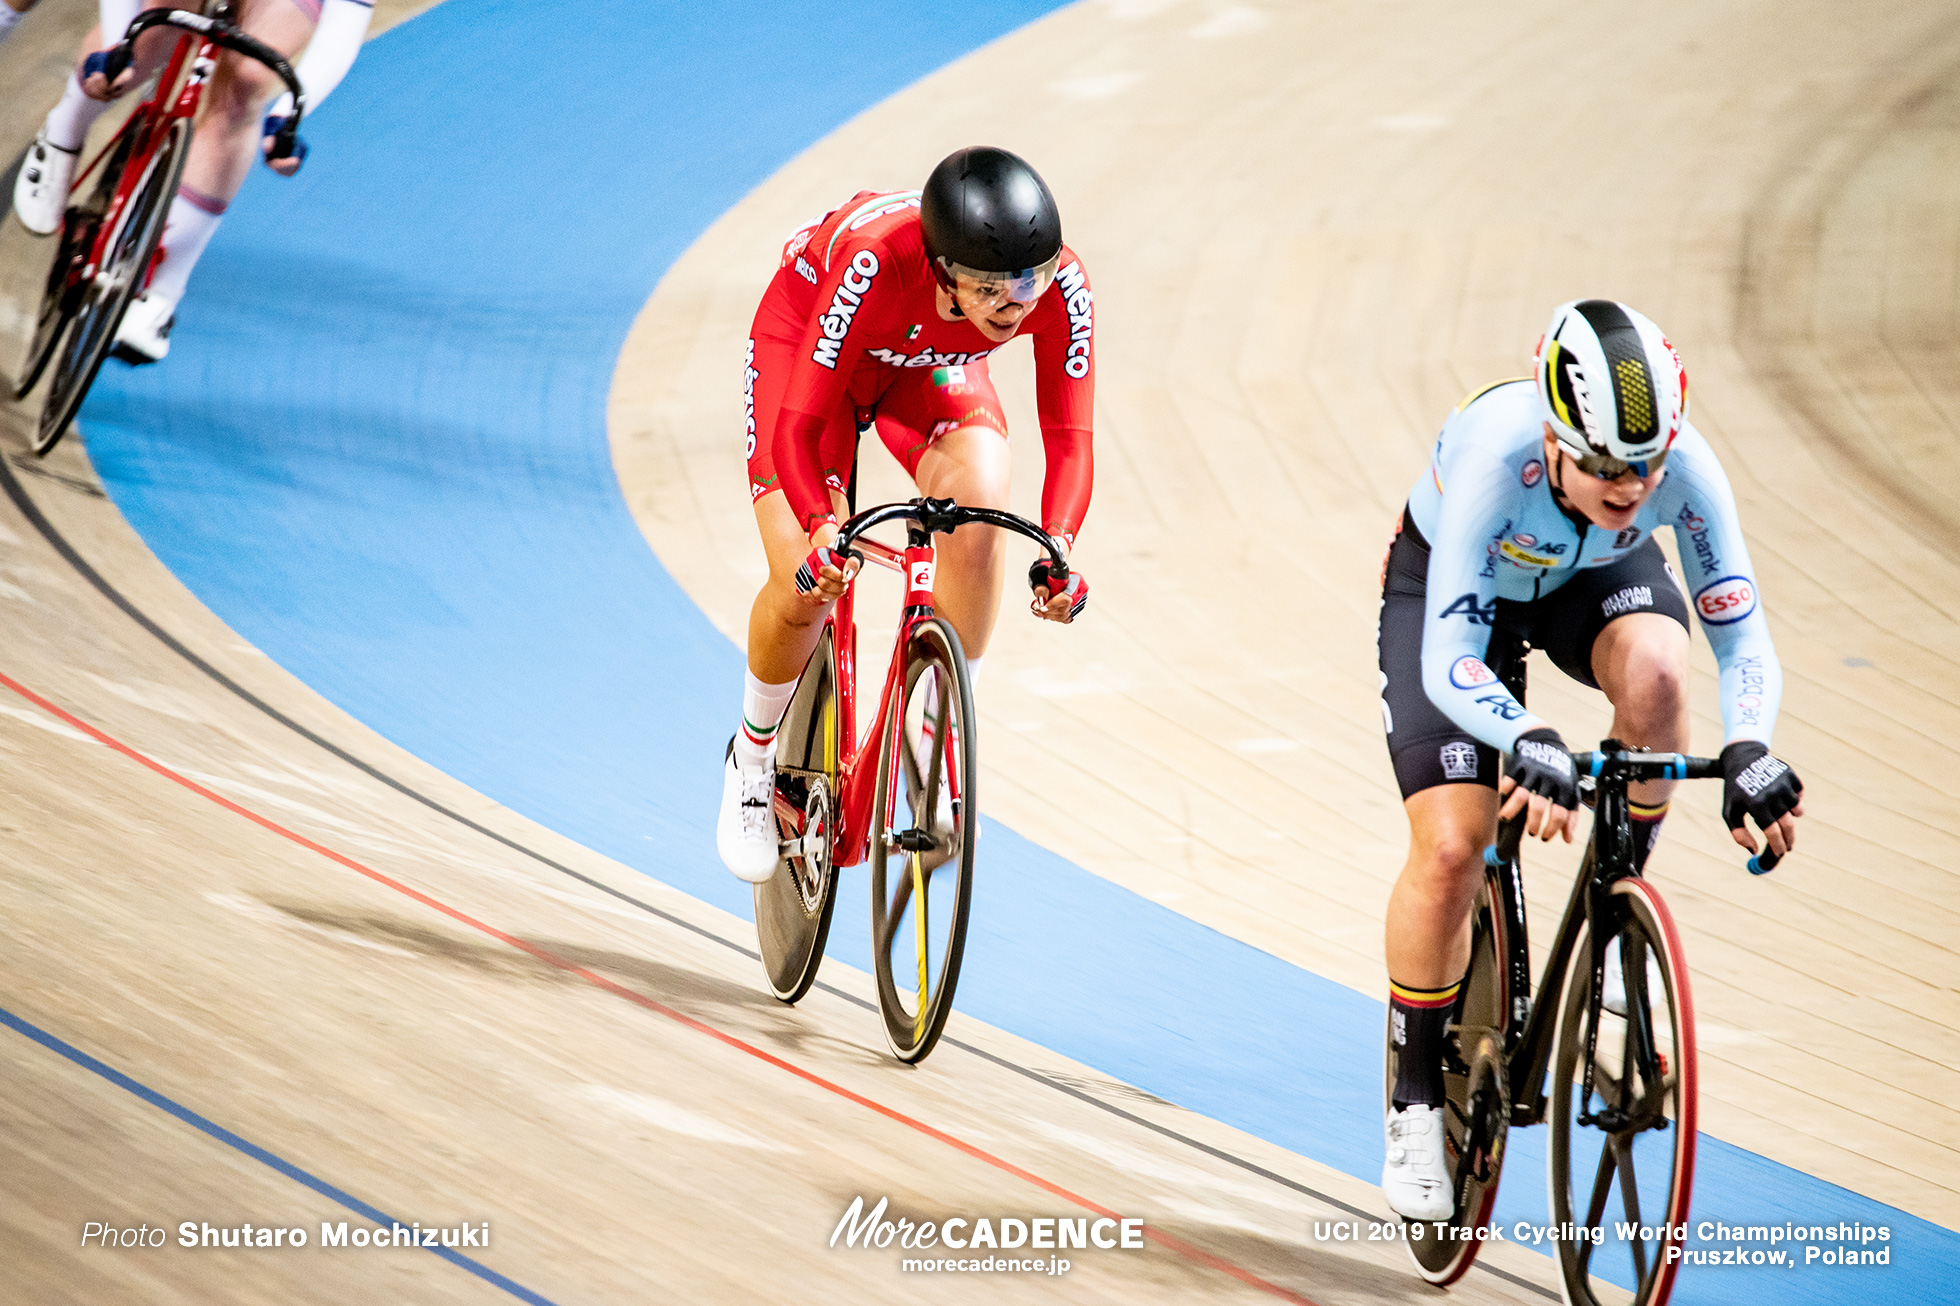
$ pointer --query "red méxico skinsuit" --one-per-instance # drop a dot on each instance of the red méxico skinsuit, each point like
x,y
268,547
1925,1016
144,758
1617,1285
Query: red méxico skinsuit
x,y
849,331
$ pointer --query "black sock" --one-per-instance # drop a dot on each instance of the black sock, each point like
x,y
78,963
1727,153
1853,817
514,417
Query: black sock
x,y
1645,825
1418,1021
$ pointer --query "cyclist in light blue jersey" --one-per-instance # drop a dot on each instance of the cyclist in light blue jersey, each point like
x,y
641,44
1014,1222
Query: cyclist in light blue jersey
x,y
1533,527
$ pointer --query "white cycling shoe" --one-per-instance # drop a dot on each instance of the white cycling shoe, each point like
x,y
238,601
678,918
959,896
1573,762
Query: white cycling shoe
x,y
145,329
745,827
41,188
1415,1180
1613,982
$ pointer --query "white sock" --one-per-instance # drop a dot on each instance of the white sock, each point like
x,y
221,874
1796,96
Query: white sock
x,y
193,220
7,19
763,706
73,114
973,670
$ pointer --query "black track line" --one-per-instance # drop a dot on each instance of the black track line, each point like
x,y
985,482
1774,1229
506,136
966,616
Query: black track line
x,y
83,568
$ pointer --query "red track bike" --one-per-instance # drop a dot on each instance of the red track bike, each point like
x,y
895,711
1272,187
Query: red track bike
x,y
108,241
902,798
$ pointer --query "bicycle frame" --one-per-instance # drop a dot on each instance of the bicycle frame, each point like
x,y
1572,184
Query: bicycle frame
x,y
1528,1037
858,767
183,90
859,764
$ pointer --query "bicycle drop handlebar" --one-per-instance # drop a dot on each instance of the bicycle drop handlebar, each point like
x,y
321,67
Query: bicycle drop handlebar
x,y
1647,766
1664,766
118,57
942,517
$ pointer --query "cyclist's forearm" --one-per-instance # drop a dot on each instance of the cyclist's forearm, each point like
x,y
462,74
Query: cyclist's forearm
x,y
1069,481
116,16
797,445
336,42
1751,679
1458,681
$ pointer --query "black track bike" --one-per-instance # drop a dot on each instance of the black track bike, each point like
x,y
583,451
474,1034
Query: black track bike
x,y
1606,1053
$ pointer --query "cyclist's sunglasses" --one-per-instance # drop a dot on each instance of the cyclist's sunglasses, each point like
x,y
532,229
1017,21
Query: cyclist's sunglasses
x,y
1605,468
993,289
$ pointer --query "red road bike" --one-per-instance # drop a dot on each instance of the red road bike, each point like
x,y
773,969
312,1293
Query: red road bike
x,y
901,798
109,234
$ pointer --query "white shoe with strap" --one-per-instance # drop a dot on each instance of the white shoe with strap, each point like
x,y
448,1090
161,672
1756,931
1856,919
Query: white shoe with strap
x,y
745,826
1415,1180
145,329
41,188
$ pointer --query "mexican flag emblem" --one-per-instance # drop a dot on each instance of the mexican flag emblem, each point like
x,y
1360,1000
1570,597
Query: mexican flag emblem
x,y
946,378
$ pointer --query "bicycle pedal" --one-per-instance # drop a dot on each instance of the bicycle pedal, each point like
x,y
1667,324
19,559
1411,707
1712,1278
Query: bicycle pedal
x,y
914,841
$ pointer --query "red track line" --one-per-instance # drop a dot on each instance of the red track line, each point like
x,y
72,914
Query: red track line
x,y
1170,1241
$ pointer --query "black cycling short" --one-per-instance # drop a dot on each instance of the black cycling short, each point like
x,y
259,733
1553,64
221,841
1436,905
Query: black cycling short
x,y
1428,748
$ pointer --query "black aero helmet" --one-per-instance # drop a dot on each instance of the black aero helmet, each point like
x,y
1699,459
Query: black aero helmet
x,y
985,211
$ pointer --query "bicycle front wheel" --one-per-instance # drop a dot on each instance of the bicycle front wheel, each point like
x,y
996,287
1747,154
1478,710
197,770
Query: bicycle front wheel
x,y
922,841
1477,1100
793,906
1623,1107
125,266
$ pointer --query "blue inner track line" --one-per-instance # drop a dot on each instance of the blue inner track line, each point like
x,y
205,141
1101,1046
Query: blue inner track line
x,y
259,1154
379,452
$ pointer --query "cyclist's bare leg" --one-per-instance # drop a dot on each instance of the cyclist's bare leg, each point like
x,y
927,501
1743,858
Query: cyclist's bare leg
x,y
784,625
1428,949
1428,926
228,136
969,466
1641,661
228,133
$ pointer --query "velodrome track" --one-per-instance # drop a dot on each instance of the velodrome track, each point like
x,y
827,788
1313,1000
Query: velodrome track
x,y
397,482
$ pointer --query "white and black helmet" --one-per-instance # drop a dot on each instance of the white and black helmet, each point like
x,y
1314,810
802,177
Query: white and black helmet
x,y
1612,386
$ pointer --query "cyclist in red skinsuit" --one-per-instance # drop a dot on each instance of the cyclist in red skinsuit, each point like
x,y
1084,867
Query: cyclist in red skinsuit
x,y
883,313
894,358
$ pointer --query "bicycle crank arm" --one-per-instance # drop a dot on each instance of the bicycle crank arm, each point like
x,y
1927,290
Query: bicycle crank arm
x,y
805,845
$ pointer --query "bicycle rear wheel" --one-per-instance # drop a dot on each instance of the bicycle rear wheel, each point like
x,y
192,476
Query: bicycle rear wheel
x,y
1477,1099
922,841
793,907
125,264
1634,1131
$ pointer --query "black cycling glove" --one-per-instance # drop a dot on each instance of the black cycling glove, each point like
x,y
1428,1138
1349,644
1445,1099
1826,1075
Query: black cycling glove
x,y
1541,763
1758,783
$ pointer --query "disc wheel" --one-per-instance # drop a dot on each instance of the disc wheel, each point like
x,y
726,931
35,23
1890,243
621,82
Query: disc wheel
x,y
922,842
793,907
1624,1151
1477,1103
133,237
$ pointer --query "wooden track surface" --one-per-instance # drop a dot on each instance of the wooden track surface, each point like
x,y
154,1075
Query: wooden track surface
x,y
443,1073
1312,229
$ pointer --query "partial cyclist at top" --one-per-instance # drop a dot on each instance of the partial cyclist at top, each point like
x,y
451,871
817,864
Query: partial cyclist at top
x,y
883,313
11,12
1533,527
222,150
